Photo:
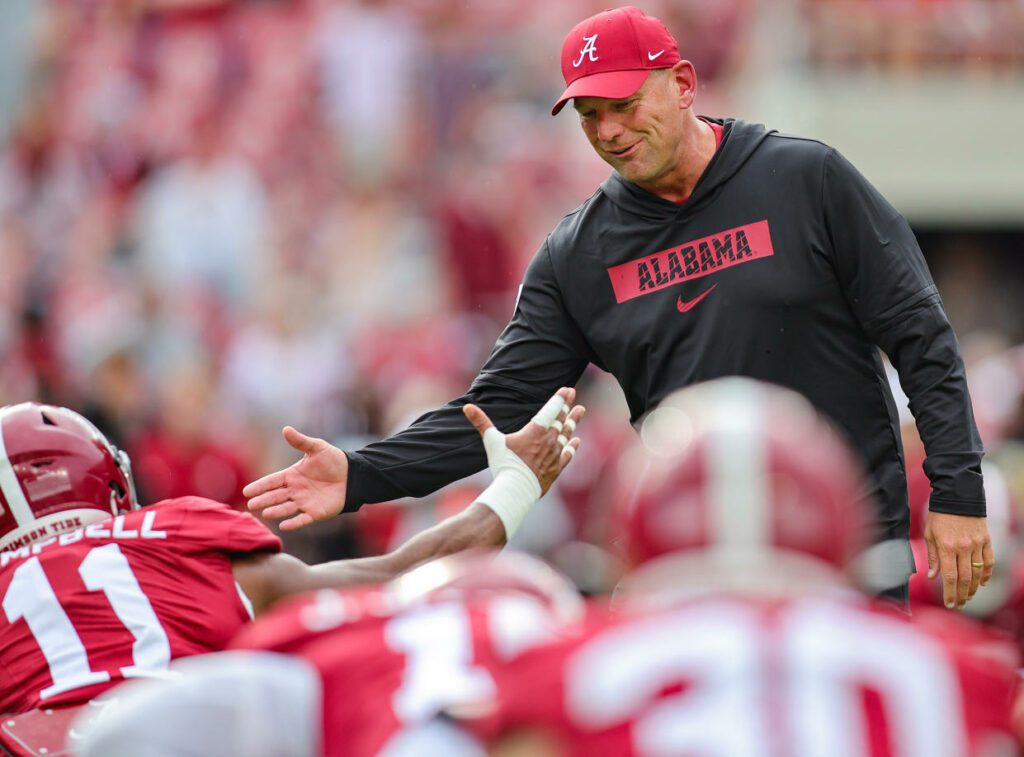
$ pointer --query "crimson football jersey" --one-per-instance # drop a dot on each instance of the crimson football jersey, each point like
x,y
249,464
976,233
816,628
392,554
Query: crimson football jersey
x,y
385,670
120,599
746,678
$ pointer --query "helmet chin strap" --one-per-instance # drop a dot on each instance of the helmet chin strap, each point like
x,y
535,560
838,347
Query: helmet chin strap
x,y
125,464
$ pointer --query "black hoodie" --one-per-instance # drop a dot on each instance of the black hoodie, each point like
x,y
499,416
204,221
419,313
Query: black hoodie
x,y
784,265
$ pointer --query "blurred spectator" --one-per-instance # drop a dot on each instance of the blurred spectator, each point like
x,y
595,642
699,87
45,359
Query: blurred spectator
x,y
284,364
189,449
369,54
970,275
117,397
200,223
475,249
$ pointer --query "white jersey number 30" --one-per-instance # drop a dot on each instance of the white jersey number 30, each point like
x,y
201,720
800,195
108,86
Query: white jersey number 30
x,y
748,685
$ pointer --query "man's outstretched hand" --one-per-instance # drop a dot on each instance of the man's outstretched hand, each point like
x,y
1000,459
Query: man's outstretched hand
x,y
310,490
313,488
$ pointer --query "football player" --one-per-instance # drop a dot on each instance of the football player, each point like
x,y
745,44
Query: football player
x,y
739,630
95,590
355,672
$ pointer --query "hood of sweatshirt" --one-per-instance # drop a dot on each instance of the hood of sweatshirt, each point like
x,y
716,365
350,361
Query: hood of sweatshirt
x,y
740,140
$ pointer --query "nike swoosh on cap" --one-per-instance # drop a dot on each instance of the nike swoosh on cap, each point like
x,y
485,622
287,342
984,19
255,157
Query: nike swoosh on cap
x,y
654,56
684,307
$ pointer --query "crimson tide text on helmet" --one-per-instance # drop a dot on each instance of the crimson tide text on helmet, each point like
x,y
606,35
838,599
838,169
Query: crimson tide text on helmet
x,y
57,473
742,473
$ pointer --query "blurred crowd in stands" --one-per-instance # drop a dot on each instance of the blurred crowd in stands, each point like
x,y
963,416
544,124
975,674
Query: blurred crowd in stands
x,y
218,218
912,36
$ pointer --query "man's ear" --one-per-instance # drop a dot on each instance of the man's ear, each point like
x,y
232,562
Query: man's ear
x,y
685,76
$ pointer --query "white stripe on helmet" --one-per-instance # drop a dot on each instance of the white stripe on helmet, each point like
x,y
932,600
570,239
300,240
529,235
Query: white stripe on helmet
x,y
11,487
740,491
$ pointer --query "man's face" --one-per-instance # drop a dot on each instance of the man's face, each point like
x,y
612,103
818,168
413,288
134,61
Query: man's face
x,y
638,136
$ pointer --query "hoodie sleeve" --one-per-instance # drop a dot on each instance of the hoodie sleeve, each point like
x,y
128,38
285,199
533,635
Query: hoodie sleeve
x,y
891,292
539,351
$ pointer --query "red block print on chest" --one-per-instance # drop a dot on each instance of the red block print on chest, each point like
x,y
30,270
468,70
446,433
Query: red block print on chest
x,y
691,260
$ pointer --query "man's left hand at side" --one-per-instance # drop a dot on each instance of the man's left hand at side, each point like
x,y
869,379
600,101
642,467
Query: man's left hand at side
x,y
960,550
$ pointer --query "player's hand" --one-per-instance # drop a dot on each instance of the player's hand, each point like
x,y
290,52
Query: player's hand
x,y
545,447
959,548
310,490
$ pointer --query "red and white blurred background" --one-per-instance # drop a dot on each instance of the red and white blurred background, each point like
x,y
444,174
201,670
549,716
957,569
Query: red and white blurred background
x,y
220,217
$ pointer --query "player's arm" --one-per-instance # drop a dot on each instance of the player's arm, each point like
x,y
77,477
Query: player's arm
x,y
524,464
540,350
266,578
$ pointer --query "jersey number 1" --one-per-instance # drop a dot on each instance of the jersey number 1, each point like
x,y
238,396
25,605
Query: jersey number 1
x,y
30,596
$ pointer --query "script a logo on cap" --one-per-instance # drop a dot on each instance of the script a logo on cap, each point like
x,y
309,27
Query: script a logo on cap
x,y
589,49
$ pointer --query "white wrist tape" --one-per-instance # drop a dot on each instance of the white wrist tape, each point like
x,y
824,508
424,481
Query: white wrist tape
x,y
515,489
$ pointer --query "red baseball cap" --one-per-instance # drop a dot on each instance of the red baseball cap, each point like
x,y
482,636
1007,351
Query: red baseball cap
x,y
611,53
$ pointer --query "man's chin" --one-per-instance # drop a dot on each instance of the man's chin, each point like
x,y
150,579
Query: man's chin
x,y
631,173
630,169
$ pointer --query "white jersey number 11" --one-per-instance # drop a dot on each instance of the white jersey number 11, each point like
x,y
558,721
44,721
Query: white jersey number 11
x,y
30,596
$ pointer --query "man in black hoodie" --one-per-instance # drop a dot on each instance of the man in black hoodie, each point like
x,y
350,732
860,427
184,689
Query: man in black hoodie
x,y
715,248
